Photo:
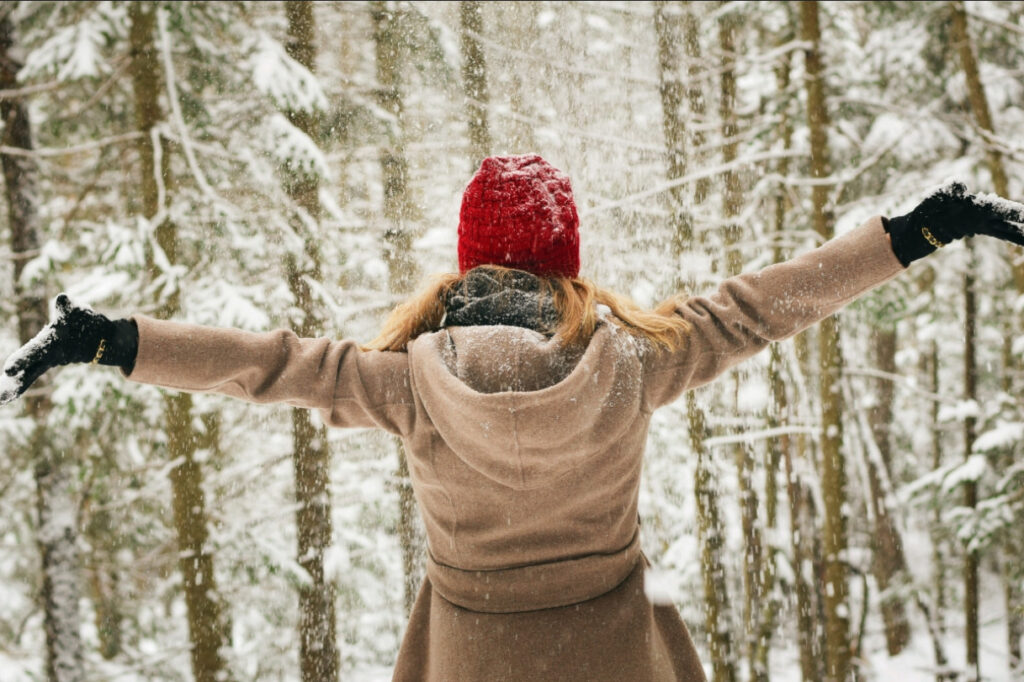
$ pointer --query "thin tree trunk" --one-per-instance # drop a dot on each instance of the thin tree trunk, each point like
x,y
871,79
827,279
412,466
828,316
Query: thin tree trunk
x,y
781,449
670,90
711,535
694,90
474,79
764,627
754,587
888,562
1013,600
976,94
733,194
837,609
57,534
398,255
801,530
960,35
881,413
103,590
938,556
972,557
319,658
934,610
518,21
1012,550
208,629
105,540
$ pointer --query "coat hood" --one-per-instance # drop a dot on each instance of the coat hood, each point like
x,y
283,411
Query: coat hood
x,y
513,404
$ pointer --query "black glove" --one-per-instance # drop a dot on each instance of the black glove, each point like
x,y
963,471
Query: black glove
x,y
75,335
951,213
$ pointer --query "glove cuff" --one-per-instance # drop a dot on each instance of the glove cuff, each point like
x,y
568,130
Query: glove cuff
x,y
910,241
119,345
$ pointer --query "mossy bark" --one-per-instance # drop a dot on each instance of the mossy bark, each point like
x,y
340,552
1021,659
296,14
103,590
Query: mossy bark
x,y
888,562
319,657
474,79
398,237
57,533
838,660
208,627
961,37
668,29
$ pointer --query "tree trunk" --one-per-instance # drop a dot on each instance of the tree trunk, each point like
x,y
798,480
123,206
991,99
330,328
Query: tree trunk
x,y
57,533
935,607
474,79
881,414
791,450
398,256
711,535
960,35
208,629
319,658
837,614
801,530
1013,600
938,556
671,91
733,194
979,100
754,586
53,473
972,557
694,91
1012,550
781,450
888,562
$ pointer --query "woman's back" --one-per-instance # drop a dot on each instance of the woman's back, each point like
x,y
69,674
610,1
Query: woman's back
x,y
514,478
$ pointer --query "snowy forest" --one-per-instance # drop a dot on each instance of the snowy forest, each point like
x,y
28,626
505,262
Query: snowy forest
x,y
841,507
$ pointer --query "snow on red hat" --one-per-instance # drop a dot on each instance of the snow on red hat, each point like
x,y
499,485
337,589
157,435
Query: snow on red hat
x,y
518,212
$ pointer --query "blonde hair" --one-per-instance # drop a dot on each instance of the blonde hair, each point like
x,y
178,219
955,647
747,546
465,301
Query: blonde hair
x,y
575,300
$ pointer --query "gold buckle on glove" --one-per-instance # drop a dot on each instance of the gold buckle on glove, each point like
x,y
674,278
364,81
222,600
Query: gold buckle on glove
x,y
931,238
99,351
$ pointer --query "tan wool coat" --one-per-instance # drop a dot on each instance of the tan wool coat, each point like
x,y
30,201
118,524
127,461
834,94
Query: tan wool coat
x,y
525,459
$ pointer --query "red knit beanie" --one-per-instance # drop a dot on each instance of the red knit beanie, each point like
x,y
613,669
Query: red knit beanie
x,y
518,212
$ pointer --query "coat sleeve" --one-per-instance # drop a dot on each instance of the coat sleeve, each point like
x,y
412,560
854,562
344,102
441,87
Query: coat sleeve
x,y
349,386
750,310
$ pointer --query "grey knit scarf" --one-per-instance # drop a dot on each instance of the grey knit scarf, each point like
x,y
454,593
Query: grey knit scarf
x,y
515,298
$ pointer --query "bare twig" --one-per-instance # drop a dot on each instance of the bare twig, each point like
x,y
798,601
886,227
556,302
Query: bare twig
x,y
18,93
903,381
692,177
74,149
994,22
100,91
747,436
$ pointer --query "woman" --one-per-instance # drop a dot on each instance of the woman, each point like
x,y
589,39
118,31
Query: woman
x,y
523,395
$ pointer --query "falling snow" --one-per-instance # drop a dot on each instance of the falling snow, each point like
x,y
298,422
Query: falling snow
x,y
579,84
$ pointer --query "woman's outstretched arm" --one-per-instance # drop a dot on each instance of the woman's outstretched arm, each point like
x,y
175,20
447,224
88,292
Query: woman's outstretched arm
x,y
349,386
750,310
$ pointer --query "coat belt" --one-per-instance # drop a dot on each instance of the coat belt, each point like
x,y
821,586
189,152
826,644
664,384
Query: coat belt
x,y
536,586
